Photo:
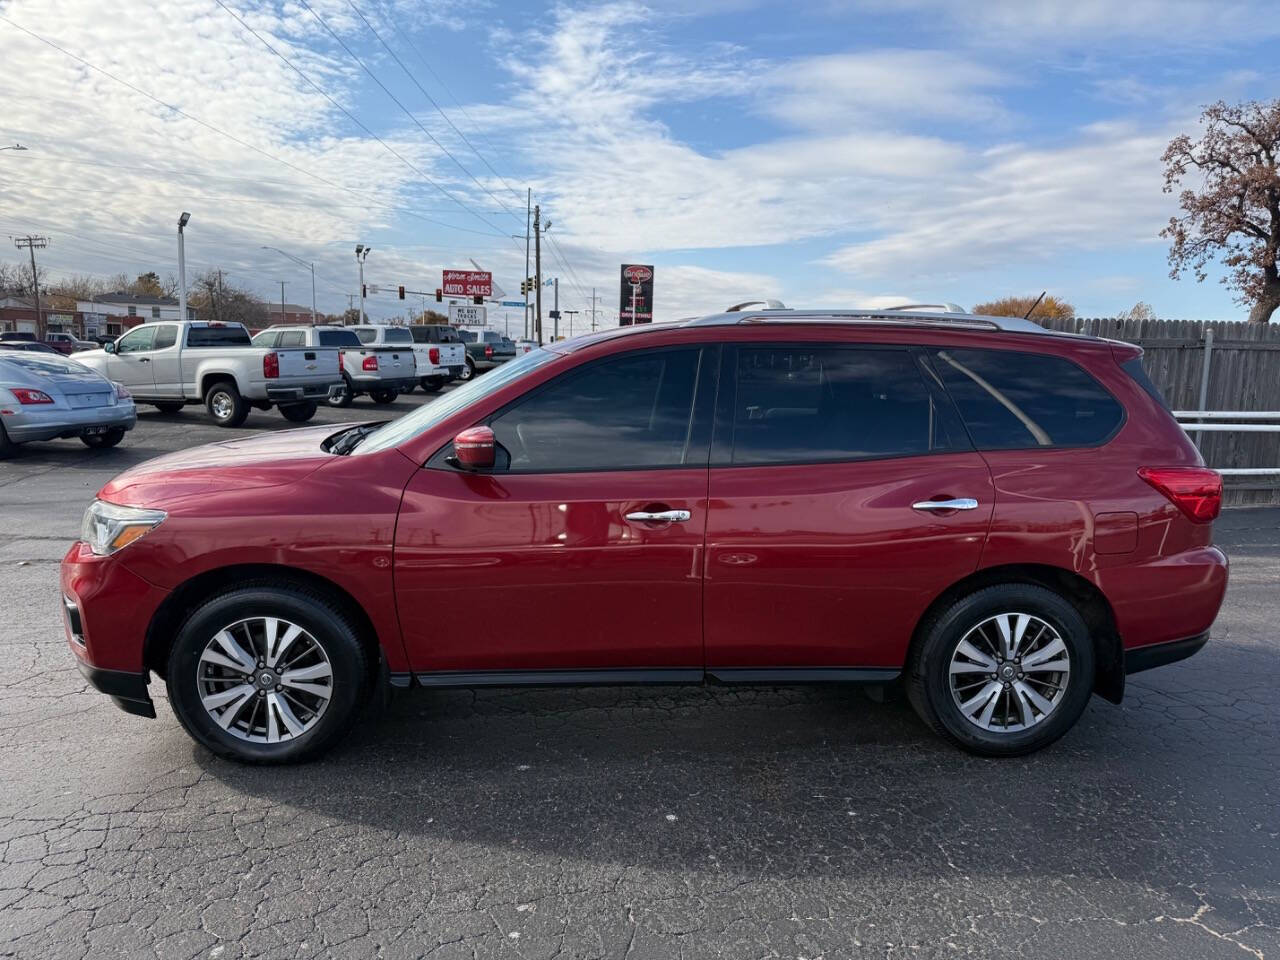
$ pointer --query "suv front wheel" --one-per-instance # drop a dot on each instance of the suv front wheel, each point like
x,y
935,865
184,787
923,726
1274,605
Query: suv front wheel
x,y
269,672
1003,671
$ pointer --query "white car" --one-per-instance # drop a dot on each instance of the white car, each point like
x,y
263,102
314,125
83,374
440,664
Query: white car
x,y
382,372
169,364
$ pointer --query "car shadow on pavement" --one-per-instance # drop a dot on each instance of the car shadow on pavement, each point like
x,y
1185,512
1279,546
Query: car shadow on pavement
x,y
770,783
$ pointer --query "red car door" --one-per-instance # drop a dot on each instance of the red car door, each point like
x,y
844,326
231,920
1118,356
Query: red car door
x,y
843,499
580,556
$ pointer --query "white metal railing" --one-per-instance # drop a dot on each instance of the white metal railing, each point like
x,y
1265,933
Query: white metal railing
x,y
1196,422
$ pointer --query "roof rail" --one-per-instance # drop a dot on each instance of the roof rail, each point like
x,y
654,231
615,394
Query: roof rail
x,y
946,307
894,316
767,304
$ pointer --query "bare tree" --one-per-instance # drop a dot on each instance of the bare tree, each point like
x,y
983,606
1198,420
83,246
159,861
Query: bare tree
x,y
1050,307
1234,215
215,298
1139,311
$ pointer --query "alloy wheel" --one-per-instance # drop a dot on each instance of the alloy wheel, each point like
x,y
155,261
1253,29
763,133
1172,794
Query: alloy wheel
x,y
1009,672
264,680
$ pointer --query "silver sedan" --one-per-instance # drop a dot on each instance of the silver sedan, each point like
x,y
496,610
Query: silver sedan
x,y
46,396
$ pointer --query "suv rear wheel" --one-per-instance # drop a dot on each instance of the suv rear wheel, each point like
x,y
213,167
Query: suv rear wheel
x,y
1003,671
267,673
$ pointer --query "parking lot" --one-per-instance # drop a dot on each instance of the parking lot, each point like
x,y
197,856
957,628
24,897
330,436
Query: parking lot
x,y
628,822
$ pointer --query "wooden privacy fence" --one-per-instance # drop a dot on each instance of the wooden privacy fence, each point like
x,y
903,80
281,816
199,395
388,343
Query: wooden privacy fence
x,y
1210,366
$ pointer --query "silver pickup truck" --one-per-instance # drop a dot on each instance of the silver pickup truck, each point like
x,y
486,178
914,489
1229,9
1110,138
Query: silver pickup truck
x,y
170,364
383,372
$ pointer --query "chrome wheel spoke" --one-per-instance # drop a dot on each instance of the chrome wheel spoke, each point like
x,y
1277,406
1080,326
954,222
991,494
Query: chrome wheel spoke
x,y
253,662
1009,672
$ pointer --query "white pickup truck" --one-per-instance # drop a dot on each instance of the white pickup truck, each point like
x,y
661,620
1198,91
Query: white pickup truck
x,y
438,347
383,372
170,364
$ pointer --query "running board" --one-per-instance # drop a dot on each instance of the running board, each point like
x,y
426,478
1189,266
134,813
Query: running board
x,y
582,678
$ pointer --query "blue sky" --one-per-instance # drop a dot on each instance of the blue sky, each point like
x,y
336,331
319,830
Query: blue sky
x,y
859,152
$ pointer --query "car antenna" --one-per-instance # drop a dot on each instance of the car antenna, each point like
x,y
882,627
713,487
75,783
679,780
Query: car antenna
x,y
1027,315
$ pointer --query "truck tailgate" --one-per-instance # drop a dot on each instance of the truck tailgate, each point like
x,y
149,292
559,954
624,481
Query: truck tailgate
x,y
394,362
309,364
452,354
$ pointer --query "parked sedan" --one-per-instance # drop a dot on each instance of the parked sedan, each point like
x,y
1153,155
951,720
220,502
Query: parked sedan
x,y
44,396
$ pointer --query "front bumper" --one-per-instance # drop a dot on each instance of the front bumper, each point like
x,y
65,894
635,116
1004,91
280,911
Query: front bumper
x,y
28,423
106,611
300,394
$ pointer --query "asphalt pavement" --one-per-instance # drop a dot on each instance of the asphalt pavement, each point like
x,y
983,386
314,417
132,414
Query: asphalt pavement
x,y
628,822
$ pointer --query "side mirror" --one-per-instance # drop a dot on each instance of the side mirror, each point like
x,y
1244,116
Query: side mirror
x,y
475,448
109,346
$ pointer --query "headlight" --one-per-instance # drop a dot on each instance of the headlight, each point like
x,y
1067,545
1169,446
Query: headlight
x,y
109,527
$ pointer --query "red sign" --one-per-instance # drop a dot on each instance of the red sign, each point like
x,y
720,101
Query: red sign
x,y
467,283
637,273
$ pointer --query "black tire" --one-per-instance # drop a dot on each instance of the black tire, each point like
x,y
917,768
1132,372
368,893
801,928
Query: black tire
x,y
431,384
344,396
168,406
929,672
225,405
7,447
328,625
299,412
468,371
383,397
100,441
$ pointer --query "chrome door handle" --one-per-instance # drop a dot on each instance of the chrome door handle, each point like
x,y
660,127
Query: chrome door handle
x,y
960,503
661,516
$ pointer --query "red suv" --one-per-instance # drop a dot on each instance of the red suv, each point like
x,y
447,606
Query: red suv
x,y
1006,519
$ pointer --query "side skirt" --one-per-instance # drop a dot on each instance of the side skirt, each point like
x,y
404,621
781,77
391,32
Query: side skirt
x,y
581,678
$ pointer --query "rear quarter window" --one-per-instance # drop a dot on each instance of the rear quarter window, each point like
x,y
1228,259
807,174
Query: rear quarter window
x,y
1011,400
1138,373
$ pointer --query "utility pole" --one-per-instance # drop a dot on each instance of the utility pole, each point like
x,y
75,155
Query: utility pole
x,y
594,298
362,252
528,200
537,267
572,314
282,283
555,312
31,243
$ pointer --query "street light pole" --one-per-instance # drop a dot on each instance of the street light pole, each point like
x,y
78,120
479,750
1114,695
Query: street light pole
x,y
361,253
182,267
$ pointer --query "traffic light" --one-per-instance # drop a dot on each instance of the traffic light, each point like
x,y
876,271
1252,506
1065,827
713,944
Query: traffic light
x,y
364,290
439,295
402,291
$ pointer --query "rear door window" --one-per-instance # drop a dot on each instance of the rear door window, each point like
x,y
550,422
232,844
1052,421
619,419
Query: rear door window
x,y
1011,400
810,404
292,338
166,337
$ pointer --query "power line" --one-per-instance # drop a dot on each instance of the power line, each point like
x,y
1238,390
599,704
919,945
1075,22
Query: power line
x,y
218,130
432,101
348,114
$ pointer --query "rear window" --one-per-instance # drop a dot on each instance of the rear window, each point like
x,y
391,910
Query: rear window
x,y
228,336
1012,400
338,338
397,335
367,336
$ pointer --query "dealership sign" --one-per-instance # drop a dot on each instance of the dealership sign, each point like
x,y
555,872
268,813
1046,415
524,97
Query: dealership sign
x,y
635,304
467,283
465,315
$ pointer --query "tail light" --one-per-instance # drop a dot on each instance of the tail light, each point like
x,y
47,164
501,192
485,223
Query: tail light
x,y
122,392
370,363
434,355
27,397
488,351
271,365
342,359
1196,491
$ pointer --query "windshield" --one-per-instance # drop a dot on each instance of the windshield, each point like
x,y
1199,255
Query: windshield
x,y
428,415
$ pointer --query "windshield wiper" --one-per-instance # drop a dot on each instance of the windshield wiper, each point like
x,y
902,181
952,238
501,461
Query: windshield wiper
x,y
348,440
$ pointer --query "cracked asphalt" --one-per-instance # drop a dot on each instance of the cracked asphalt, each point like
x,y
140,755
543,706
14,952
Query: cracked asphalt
x,y
629,822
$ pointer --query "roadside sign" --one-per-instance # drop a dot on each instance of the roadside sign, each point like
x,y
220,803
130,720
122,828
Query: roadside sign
x,y
636,295
372,289
467,283
467,315
514,303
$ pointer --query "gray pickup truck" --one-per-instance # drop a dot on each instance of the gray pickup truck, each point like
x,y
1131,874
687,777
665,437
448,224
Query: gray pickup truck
x,y
382,372
169,364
